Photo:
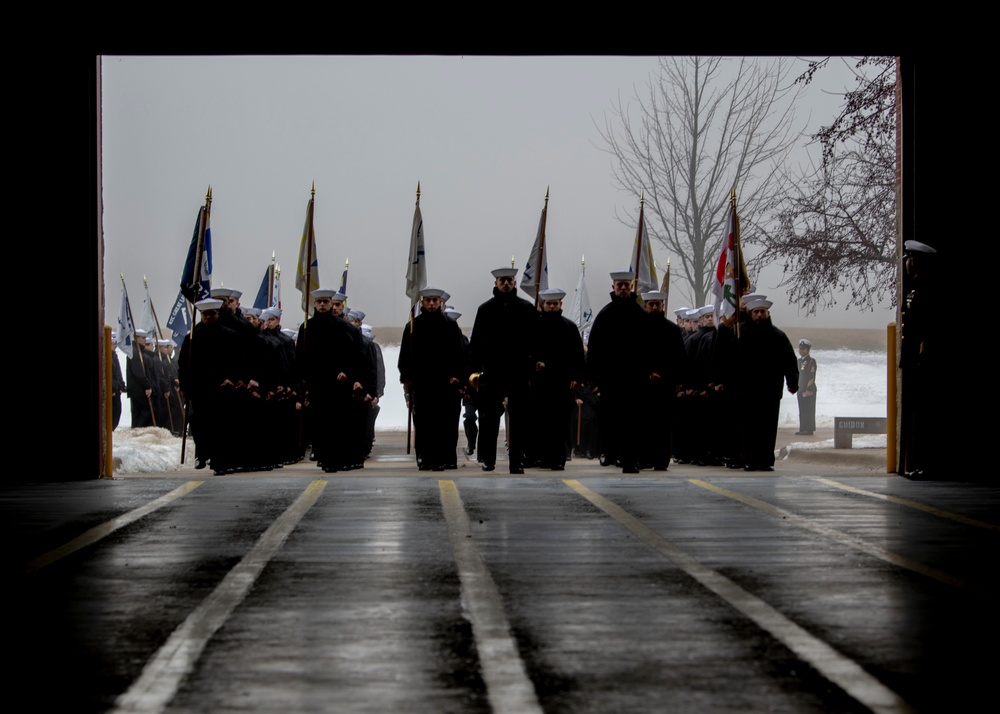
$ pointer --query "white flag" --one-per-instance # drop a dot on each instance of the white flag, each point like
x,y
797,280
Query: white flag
x,y
536,271
642,259
579,310
416,270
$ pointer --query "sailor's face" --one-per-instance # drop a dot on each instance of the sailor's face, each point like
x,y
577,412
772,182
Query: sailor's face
x,y
707,320
506,284
322,304
551,305
337,308
654,307
430,304
759,314
623,288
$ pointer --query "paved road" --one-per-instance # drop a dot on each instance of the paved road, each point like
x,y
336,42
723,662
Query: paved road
x,y
813,589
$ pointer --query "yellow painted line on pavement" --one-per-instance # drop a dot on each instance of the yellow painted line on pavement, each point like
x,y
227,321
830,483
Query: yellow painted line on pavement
x,y
509,689
913,504
163,674
838,536
105,529
842,671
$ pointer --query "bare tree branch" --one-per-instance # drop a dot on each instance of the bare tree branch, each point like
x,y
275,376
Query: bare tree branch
x,y
699,128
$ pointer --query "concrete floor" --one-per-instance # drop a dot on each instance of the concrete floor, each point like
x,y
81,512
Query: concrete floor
x,y
821,587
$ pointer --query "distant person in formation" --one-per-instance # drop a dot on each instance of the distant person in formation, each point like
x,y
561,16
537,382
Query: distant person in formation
x,y
765,362
558,369
117,383
617,369
807,390
432,369
469,417
667,363
141,380
500,353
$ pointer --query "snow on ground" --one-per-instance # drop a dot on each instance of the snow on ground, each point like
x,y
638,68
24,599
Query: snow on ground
x,y
150,449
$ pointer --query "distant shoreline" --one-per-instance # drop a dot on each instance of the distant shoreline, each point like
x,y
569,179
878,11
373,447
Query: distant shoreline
x,y
822,338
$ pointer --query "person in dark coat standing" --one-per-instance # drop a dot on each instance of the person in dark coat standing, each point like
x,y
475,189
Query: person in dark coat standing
x,y
765,362
432,369
559,369
332,367
141,380
807,390
117,383
617,366
667,365
500,353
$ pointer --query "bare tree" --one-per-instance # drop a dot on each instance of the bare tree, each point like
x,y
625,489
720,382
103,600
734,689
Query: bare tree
x,y
834,226
701,127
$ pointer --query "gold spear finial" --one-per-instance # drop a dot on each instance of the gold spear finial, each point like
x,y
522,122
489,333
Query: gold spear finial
x,y
418,192
512,260
144,281
313,192
546,195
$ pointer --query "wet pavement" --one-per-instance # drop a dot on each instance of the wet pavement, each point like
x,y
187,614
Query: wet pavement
x,y
825,586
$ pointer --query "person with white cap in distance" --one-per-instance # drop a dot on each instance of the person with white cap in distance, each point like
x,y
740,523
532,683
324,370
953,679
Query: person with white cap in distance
x,y
209,360
332,368
667,363
559,369
615,366
500,354
764,363
432,369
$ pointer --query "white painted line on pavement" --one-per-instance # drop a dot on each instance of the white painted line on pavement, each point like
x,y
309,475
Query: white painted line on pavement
x,y
163,674
105,529
838,536
507,684
842,671
913,504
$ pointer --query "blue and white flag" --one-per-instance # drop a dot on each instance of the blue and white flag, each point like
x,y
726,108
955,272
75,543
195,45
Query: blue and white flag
x,y
416,270
263,299
642,265
536,271
125,328
579,310
179,321
196,280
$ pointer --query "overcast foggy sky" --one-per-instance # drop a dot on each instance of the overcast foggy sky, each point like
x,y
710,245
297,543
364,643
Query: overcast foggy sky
x,y
484,136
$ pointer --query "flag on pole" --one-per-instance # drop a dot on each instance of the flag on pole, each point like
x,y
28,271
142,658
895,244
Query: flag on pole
x,y
264,292
536,271
731,280
125,328
196,280
343,279
642,257
307,271
179,320
416,270
276,293
147,321
579,310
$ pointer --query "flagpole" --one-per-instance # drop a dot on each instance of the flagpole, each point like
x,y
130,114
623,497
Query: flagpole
x,y
270,282
738,268
541,248
638,242
309,254
413,305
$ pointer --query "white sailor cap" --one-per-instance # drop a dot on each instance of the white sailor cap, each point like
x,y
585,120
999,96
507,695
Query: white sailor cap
x,y
366,330
654,295
504,273
431,292
268,312
693,313
338,297
164,343
445,296
744,299
237,294
354,315
359,314
150,340
289,332
681,312
139,332
759,302
915,246
706,310
327,293
208,304
805,343
552,294
452,313
254,311
622,275
222,292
